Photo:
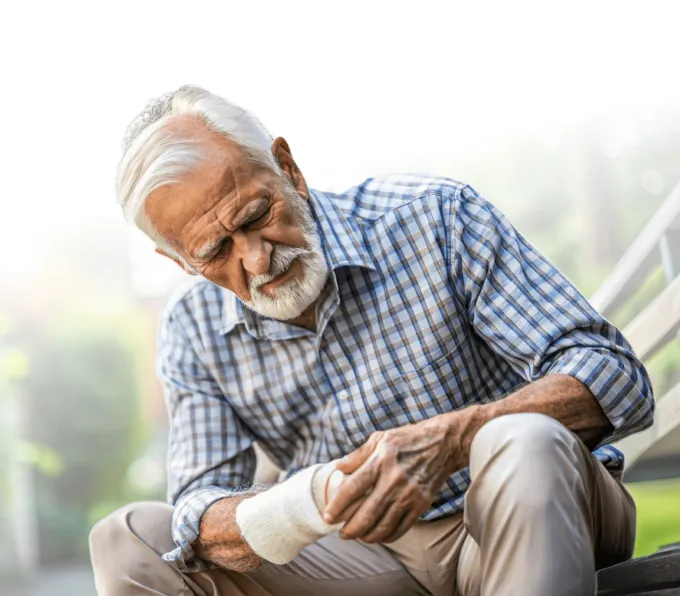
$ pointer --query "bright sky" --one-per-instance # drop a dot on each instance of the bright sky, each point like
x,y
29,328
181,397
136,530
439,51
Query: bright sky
x,y
357,88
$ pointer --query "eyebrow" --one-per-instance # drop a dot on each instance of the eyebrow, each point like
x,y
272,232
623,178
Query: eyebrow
x,y
243,215
208,248
251,208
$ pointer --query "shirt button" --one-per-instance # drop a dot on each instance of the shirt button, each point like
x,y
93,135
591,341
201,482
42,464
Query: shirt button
x,y
343,394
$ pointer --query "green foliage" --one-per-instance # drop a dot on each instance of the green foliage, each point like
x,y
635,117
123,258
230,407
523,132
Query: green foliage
x,y
45,460
83,404
14,365
658,515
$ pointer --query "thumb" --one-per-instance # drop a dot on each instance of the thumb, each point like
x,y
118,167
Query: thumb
x,y
353,461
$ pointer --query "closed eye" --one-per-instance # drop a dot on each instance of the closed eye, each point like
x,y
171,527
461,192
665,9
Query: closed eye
x,y
206,251
224,244
209,252
258,219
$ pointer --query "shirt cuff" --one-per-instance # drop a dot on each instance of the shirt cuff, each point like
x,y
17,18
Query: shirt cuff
x,y
618,382
186,520
612,459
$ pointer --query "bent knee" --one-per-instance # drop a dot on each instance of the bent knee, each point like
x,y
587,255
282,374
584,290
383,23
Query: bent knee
x,y
531,434
525,426
126,548
147,522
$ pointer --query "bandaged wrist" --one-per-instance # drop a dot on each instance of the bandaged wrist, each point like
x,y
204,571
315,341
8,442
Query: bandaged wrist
x,y
278,523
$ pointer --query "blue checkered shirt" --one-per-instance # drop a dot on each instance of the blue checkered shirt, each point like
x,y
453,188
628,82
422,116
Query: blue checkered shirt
x,y
434,302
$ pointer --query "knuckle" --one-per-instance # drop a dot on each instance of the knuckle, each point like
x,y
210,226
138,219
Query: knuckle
x,y
386,453
399,475
377,437
394,484
354,486
413,491
352,526
349,534
371,539
380,532
363,521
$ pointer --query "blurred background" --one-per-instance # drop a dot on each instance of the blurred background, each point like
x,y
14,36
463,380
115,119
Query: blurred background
x,y
566,116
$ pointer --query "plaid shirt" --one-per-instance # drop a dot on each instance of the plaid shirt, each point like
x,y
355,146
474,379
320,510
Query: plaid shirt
x,y
434,302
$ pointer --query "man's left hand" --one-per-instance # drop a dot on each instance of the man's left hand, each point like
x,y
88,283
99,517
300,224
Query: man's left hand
x,y
394,477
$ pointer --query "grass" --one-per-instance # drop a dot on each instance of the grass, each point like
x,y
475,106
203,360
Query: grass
x,y
658,514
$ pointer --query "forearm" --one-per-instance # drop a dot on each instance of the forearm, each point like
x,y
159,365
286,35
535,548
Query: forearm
x,y
271,524
404,467
561,397
220,539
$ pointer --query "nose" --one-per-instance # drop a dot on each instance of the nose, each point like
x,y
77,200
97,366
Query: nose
x,y
255,252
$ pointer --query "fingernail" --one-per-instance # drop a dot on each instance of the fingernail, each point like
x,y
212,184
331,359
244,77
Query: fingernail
x,y
328,518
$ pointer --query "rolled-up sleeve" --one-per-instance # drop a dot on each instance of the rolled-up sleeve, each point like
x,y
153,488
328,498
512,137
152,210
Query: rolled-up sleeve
x,y
210,449
528,313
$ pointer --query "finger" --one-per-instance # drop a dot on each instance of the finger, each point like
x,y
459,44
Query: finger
x,y
353,487
347,514
391,486
405,525
367,516
333,483
352,509
409,498
387,525
352,461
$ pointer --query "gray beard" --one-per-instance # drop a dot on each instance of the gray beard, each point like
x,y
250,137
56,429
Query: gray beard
x,y
294,296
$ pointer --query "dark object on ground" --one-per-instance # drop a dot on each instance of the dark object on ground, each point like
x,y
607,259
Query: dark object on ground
x,y
655,575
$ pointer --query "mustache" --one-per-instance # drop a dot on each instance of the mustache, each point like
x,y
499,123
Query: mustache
x,y
280,261
282,256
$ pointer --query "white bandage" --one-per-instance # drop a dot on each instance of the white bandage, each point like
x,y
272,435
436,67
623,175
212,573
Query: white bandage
x,y
278,523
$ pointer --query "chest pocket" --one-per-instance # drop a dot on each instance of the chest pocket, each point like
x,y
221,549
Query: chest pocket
x,y
440,386
397,392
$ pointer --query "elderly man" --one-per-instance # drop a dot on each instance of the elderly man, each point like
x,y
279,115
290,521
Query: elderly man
x,y
438,396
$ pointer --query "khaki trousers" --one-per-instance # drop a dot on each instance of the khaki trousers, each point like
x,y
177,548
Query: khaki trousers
x,y
541,514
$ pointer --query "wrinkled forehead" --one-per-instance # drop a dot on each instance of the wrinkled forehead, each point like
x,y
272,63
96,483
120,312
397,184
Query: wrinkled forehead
x,y
224,173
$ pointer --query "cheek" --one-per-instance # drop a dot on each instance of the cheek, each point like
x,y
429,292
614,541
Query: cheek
x,y
283,228
226,274
216,272
285,234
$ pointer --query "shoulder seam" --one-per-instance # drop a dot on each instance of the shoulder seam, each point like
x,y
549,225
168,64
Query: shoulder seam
x,y
418,197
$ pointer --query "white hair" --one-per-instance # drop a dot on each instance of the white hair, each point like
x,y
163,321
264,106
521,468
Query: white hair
x,y
155,156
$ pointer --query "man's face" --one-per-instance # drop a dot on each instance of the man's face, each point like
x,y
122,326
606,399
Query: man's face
x,y
245,228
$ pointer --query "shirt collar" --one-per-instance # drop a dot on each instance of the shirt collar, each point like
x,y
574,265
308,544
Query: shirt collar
x,y
341,242
342,247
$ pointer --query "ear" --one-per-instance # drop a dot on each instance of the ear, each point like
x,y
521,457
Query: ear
x,y
284,157
160,251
